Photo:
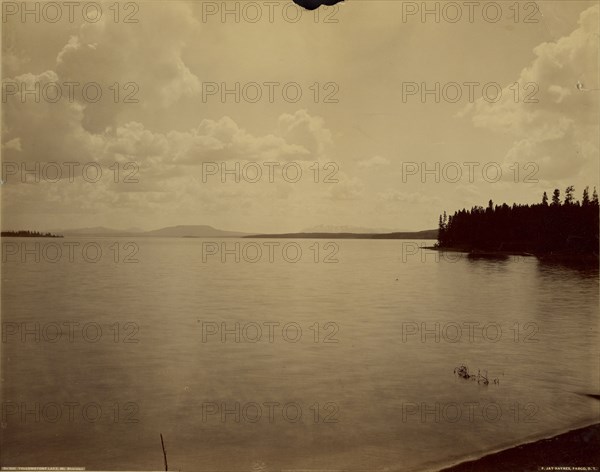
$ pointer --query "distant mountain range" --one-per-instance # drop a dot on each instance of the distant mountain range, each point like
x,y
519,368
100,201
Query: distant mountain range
x,y
181,231
348,229
427,234
205,231
98,231
195,231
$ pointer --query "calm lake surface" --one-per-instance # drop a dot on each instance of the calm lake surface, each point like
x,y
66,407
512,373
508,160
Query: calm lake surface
x,y
367,384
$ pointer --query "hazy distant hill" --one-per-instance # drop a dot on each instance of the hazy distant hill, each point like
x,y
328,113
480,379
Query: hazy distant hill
x,y
427,234
193,231
205,231
346,229
182,231
99,231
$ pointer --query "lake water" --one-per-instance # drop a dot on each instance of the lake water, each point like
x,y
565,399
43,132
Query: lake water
x,y
367,384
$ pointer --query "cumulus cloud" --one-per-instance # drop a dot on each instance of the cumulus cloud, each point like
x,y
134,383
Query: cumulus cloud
x,y
13,144
170,163
374,162
554,121
70,129
107,53
407,197
224,139
347,188
46,131
306,130
30,135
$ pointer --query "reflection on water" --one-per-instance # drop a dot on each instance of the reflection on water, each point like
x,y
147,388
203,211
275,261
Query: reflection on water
x,y
380,393
568,268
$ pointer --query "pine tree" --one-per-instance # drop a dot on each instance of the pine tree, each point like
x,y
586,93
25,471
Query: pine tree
x,y
556,197
569,195
441,231
585,200
571,228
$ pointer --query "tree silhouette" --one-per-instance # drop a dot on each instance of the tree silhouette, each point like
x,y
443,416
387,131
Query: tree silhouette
x,y
441,229
585,199
29,234
564,228
556,197
570,190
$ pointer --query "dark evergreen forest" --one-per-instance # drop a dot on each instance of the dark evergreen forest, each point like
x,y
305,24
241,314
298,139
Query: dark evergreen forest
x,y
549,227
29,234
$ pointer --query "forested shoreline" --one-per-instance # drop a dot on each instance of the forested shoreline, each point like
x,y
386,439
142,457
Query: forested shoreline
x,y
551,227
29,234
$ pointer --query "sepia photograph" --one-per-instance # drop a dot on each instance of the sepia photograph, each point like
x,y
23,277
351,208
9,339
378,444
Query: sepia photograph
x,y
300,236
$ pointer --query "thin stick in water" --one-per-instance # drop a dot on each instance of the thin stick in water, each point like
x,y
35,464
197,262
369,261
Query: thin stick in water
x,y
162,443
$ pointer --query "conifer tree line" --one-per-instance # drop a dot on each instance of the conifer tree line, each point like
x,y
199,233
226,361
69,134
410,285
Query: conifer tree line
x,y
29,234
552,226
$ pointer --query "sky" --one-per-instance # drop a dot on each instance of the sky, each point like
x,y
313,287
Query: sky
x,y
337,97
